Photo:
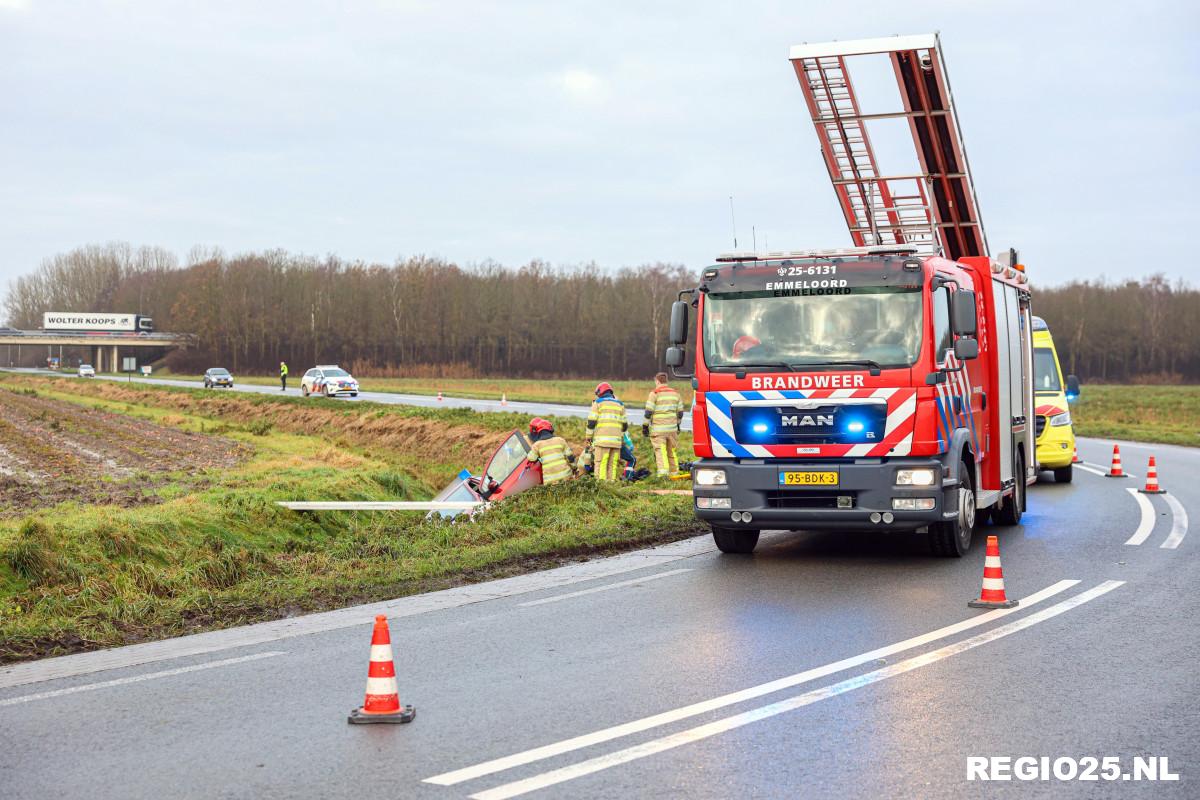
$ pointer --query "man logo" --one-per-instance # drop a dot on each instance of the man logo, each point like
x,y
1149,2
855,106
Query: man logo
x,y
797,421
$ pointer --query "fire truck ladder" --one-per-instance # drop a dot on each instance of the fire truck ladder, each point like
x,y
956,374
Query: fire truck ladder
x,y
935,210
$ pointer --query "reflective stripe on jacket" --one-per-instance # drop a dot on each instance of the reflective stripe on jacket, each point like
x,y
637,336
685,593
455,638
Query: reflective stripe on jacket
x,y
555,455
607,422
663,407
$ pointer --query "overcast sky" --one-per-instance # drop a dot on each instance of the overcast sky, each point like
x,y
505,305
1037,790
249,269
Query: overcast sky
x,y
571,132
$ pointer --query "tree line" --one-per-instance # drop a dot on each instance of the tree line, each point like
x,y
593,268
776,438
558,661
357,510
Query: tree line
x,y
417,316
430,316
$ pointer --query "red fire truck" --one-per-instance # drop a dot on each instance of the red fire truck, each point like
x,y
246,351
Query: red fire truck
x,y
884,386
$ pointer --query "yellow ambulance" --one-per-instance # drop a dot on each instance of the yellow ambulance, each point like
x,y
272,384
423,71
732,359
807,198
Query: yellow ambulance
x,y
1055,437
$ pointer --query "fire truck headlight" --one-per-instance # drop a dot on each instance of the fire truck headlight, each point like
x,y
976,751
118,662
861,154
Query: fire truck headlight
x,y
710,477
1058,420
915,477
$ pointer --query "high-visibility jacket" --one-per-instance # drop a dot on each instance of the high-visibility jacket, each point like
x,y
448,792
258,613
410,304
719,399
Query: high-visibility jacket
x,y
556,457
282,370
664,408
607,422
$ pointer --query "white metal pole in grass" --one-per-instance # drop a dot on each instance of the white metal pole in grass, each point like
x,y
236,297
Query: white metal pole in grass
x,y
377,505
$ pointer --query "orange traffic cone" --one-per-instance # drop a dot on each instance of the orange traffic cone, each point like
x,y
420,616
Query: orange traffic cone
x,y
1075,459
382,703
1152,480
992,594
503,399
439,397
1115,470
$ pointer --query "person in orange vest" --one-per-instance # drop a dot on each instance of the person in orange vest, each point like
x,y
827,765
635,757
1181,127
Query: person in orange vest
x,y
664,412
606,426
556,456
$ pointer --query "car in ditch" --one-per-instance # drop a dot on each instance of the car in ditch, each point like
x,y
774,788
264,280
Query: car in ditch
x,y
329,380
216,377
508,472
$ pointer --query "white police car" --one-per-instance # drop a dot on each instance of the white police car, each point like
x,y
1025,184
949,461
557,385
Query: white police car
x,y
329,380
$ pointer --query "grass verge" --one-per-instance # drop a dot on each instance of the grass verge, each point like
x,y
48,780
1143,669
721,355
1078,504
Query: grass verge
x,y
219,552
1167,414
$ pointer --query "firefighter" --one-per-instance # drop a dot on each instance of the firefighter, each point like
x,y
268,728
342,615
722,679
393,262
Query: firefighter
x,y
282,377
664,412
606,426
556,456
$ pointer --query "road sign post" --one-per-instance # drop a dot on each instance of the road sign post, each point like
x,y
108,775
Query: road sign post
x,y
129,366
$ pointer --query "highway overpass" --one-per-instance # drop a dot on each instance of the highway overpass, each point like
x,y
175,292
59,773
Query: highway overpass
x,y
106,347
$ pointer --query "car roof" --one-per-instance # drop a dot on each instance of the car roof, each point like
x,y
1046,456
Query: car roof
x,y
326,366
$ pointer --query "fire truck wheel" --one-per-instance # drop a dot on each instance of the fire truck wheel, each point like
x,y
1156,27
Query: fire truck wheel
x,y
731,540
952,538
1009,510
1063,474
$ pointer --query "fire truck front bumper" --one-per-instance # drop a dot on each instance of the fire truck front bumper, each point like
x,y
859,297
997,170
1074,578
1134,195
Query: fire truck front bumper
x,y
861,494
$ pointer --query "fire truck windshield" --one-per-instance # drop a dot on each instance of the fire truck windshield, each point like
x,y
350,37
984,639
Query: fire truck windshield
x,y
761,331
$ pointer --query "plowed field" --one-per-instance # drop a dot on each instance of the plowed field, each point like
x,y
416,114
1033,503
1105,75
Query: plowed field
x,y
51,451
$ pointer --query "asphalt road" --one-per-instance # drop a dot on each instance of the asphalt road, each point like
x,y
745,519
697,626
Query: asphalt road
x,y
824,665
532,409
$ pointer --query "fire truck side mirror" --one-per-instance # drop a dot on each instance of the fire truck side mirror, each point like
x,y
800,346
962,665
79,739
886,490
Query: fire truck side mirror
x,y
966,349
675,357
962,313
679,323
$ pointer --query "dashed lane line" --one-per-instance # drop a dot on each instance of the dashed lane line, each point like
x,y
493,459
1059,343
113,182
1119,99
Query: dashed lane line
x,y
1179,525
87,687
674,715
701,732
1146,523
606,587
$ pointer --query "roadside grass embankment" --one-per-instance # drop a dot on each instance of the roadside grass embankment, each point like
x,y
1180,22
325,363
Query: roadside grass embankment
x,y
1166,414
217,551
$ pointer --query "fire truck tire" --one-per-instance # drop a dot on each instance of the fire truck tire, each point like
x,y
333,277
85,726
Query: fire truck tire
x,y
731,540
1010,509
952,538
1063,474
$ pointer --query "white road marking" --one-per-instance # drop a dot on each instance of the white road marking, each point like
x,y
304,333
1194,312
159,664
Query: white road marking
x,y
1179,526
87,687
700,732
605,588
667,717
1092,470
263,632
1146,524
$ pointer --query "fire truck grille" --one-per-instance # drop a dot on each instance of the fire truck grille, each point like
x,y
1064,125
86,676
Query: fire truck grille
x,y
826,424
801,500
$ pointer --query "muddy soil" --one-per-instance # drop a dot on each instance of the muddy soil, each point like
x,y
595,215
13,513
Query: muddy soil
x,y
52,451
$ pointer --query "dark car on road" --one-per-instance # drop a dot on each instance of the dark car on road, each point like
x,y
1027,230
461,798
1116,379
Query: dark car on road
x,y
218,376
